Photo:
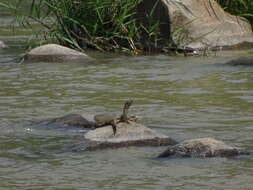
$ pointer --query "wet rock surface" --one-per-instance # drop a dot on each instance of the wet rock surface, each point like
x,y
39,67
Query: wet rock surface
x,y
128,134
245,61
55,53
202,147
71,120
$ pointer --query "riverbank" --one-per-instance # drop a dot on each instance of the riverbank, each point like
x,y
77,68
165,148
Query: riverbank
x,y
137,27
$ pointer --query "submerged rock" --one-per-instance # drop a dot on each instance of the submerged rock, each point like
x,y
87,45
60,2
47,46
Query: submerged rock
x,y
55,53
246,61
128,134
72,120
202,147
2,45
202,23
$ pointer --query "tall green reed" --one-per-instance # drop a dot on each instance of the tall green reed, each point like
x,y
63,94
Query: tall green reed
x,y
239,7
106,25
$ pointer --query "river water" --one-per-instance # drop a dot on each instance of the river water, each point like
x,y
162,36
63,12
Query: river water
x,y
181,97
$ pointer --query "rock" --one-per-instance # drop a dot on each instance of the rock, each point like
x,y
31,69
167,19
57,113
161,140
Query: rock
x,y
2,45
202,147
128,134
55,53
70,120
246,61
202,24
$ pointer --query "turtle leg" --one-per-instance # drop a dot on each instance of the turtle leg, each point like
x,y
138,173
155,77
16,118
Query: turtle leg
x,y
114,127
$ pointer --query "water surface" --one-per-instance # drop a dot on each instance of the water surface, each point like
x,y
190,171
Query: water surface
x,y
181,97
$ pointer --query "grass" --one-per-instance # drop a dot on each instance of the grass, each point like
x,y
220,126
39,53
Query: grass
x,y
106,25
239,7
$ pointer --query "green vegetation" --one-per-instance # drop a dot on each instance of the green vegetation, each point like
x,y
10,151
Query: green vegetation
x,y
239,7
105,25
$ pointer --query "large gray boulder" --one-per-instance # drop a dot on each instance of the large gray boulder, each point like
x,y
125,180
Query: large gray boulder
x,y
55,53
127,134
202,147
200,23
2,44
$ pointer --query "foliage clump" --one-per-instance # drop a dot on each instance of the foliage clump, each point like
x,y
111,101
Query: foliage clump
x,y
106,25
109,25
239,7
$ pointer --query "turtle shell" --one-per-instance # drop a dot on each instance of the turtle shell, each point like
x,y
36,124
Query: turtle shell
x,y
104,119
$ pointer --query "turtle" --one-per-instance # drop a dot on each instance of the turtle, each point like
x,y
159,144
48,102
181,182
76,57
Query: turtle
x,y
112,119
106,119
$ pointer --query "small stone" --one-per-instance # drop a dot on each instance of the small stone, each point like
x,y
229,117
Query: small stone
x,y
55,53
202,147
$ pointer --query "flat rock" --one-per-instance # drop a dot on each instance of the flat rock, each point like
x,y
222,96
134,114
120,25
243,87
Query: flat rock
x,y
127,134
2,45
245,61
55,53
202,147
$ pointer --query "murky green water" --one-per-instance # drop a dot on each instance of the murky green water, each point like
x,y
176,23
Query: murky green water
x,y
180,97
